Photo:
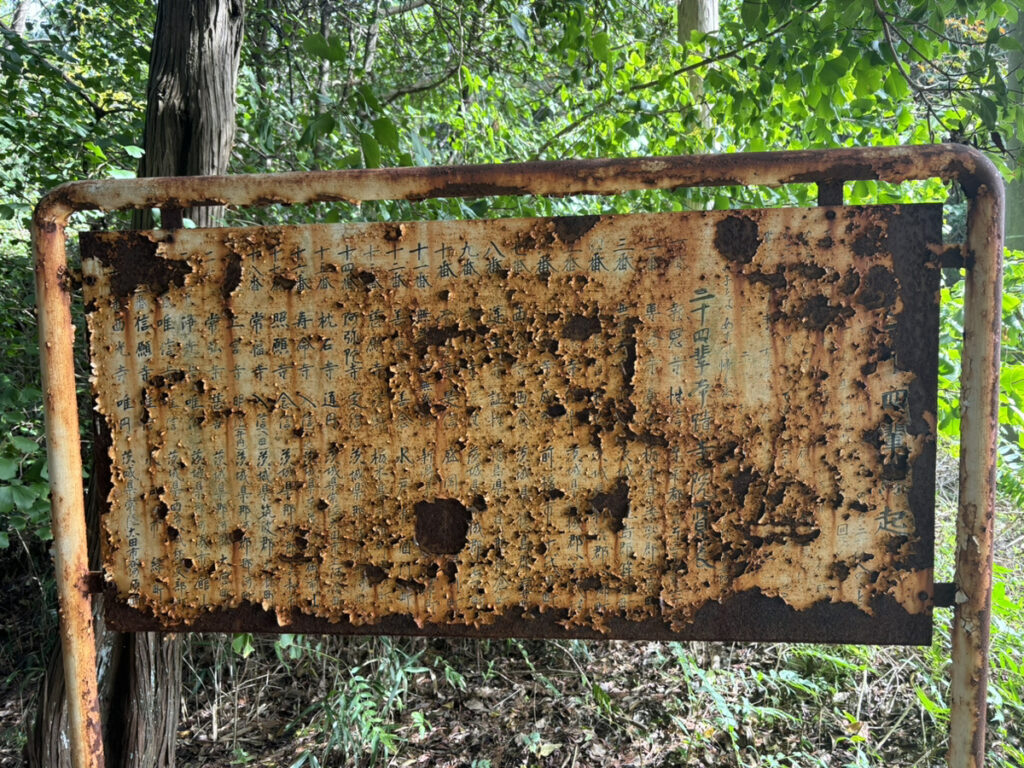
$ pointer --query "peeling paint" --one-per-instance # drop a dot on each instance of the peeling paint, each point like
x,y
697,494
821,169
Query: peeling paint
x,y
606,420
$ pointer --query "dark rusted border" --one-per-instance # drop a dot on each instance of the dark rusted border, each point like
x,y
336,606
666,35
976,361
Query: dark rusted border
x,y
746,617
827,168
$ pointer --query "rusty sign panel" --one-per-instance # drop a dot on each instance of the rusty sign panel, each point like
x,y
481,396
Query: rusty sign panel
x,y
693,425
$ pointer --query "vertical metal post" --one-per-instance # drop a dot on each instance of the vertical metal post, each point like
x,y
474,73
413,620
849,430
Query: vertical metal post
x,y
979,420
63,450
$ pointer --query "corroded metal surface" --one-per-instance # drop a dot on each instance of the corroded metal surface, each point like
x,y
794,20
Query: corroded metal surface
x,y
64,460
979,424
646,425
982,255
568,177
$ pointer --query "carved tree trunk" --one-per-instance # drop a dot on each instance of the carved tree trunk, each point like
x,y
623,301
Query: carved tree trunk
x,y
190,128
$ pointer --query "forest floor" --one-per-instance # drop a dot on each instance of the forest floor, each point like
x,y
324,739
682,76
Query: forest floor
x,y
317,701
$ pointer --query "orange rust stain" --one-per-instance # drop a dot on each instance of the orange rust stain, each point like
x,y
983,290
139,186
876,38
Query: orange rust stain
x,y
462,421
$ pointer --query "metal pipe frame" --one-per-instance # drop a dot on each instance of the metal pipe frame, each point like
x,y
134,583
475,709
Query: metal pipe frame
x,y
979,393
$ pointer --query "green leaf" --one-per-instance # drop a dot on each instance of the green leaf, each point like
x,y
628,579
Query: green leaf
x,y
24,444
988,111
834,69
1008,43
548,748
134,151
317,45
385,132
319,126
371,150
95,150
750,12
369,98
600,45
518,24
242,645
5,540
24,497
8,468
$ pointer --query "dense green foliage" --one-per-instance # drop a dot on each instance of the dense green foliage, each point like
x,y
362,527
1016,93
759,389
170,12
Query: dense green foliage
x,y
376,83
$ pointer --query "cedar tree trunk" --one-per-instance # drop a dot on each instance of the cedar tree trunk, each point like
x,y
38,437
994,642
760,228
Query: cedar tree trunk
x,y
190,127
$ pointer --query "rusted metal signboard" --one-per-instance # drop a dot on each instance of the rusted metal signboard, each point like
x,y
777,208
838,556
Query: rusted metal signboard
x,y
707,425
691,425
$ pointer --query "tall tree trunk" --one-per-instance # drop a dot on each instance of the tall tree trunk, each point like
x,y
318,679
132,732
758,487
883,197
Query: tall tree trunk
x,y
1015,143
190,128
697,16
190,109
323,73
19,18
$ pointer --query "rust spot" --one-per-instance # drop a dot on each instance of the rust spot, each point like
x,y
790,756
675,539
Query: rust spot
x,y
818,313
737,238
232,275
471,189
613,503
134,263
809,271
570,229
850,282
365,277
775,280
441,526
375,574
867,243
284,282
581,327
878,289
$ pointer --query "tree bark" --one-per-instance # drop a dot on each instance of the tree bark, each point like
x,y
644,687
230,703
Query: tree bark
x,y
19,18
189,130
190,108
1015,143
697,16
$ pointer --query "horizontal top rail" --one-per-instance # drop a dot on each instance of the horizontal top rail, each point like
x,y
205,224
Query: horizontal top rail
x,y
551,178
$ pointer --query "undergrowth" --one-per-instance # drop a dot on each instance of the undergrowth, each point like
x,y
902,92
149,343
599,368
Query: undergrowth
x,y
318,701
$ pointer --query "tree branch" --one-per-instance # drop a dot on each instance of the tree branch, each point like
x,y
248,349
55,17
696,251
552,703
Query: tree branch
x,y
412,5
733,52
98,111
914,86
422,85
